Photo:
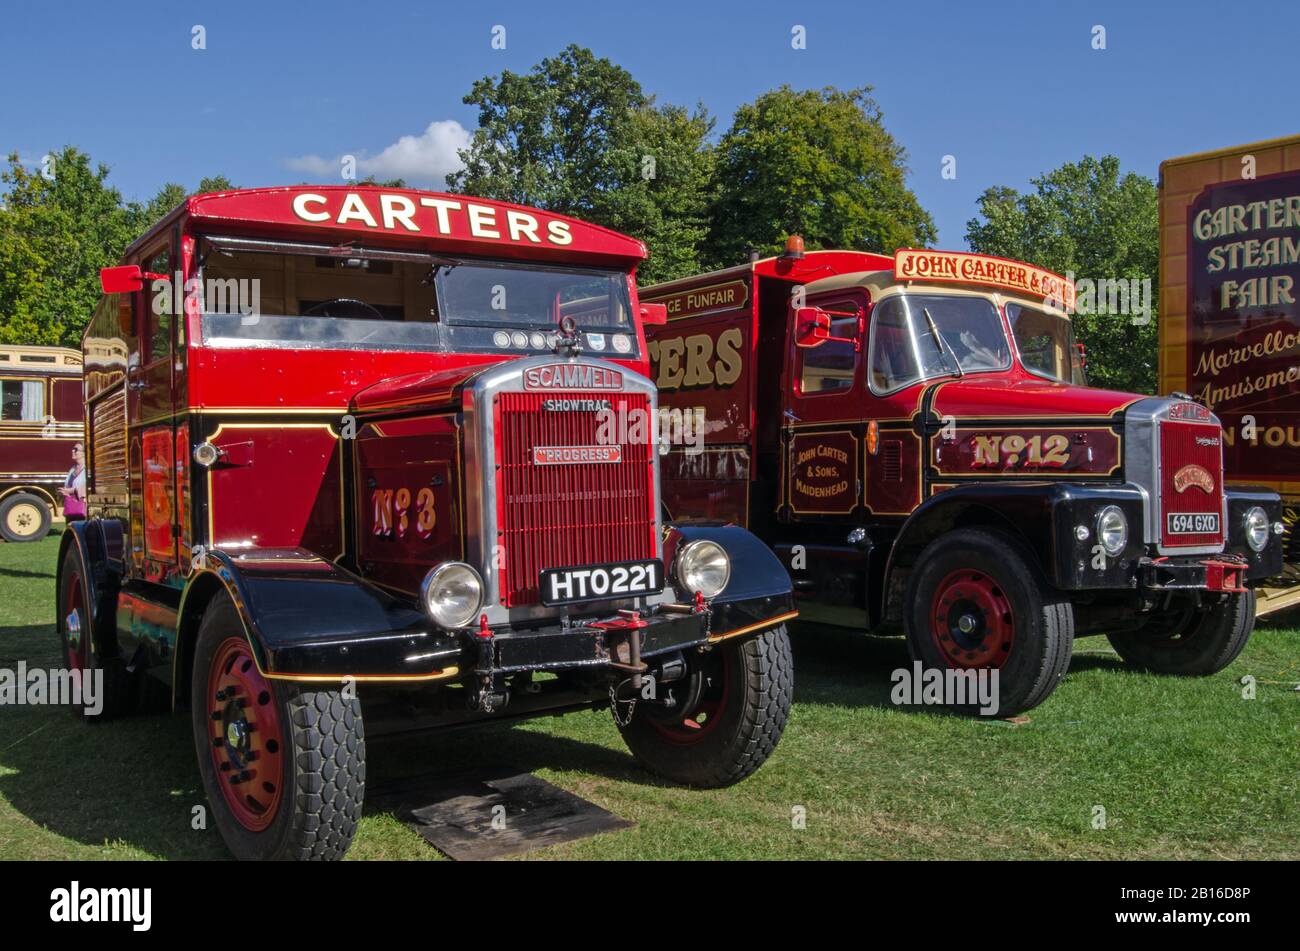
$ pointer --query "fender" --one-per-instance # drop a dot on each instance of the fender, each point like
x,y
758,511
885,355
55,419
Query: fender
x,y
1262,564
100,544
759,593
1040,515
307,619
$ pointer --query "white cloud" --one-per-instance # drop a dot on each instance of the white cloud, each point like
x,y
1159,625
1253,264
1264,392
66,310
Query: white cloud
x,y
424,159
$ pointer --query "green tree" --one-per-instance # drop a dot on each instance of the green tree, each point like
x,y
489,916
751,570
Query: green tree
x,y
59,225
818,163
578,136
171,195
1087,220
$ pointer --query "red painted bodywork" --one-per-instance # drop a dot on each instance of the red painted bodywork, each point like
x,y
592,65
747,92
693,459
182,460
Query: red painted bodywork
x,y
275,414
729,353
569,515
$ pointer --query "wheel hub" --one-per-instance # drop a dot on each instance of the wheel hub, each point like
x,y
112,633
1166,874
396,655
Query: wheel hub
x,y
698,710
247,741
971,620
72,632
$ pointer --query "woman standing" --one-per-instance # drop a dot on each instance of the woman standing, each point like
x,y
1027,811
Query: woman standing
x,y
74,486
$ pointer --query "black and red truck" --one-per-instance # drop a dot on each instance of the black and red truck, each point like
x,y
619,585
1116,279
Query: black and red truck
x,y
915,437
346,454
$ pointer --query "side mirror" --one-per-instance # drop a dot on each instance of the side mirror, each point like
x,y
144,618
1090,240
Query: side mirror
x,y
126,279
1083,355
654,315
813,327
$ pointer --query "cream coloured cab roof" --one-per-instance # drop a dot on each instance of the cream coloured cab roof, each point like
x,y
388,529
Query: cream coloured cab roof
x,y
881,284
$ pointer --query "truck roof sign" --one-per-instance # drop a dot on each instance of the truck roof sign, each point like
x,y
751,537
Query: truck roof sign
x,y
960,267
442,222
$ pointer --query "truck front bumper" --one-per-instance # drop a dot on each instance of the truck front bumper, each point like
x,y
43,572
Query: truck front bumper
x,y
1076,565
616,641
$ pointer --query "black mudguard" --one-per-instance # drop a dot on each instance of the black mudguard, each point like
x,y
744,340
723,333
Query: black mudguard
x,y
759,593
1042,516
100,544
307,618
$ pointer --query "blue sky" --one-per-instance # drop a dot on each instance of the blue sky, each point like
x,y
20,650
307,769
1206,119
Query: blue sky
x,y
1010,89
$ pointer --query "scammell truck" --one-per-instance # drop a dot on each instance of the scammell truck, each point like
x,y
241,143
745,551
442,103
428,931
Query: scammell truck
x,y
1230,316
349,453
915,437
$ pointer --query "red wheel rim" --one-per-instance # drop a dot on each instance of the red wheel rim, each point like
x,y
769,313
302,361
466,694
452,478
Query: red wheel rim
x,y
971,620
74,625
704,720
245,736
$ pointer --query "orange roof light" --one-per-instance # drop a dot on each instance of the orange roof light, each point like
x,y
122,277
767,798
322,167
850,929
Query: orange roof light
x,y
793,248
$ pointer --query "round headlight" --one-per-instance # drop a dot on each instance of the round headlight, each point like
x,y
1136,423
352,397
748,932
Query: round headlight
x,y
1257,528
703,566
1112,530
452,594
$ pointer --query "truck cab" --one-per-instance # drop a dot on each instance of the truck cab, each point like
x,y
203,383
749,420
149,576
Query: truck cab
x,y
914,435
353,446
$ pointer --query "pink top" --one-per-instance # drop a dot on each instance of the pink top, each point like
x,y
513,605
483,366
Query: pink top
x,y
75,503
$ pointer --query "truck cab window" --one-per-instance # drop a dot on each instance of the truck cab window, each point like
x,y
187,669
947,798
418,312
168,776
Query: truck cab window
x,y
1046,344
830,367
159,308
920,336
355,298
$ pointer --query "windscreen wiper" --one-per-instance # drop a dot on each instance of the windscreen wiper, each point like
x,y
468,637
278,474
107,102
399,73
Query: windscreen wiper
x,y
944,349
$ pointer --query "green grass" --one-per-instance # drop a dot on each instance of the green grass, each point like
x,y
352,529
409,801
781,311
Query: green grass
x,y
1183,768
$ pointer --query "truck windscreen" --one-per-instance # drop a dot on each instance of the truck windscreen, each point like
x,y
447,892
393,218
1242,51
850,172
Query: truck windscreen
x,y
1046,344
264,294
905,348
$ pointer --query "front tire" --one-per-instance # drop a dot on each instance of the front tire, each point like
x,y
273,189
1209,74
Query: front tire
x,y
1196,643
976,601
24,518
284,767
739,703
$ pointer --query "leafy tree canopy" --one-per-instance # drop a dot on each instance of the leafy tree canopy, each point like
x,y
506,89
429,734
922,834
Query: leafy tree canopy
x,y
819,163
1087,219
60,223
577,135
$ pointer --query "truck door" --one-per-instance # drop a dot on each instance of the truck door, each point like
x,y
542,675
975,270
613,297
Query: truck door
x,y
150,422
893,458
822,425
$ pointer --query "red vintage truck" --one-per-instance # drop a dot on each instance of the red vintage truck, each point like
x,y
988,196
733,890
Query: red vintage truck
x,y
346,451
915,437
40,423
1230,315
